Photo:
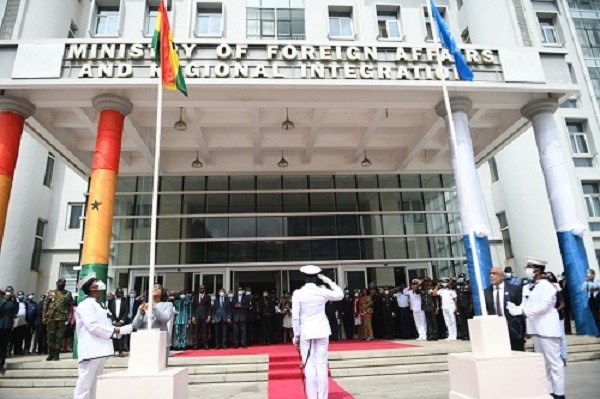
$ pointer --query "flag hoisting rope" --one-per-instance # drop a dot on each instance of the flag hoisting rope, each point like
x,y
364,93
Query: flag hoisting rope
x,y
170,76
440,28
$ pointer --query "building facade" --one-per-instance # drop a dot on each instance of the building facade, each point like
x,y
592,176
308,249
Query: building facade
x,y
310,133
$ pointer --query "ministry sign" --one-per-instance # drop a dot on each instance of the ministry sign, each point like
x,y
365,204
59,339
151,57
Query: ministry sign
x,y
275,61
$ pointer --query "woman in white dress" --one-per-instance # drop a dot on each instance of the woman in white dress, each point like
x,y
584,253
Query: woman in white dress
x,y
162,313
286,310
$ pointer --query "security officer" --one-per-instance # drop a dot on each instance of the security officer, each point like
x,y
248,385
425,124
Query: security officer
x,y
414,294
431,308
543,324
56,315
389,310
311,329
464,303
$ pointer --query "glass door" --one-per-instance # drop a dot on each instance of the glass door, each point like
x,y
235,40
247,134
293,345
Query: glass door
x,y
212,281
417,272
140,282
355,279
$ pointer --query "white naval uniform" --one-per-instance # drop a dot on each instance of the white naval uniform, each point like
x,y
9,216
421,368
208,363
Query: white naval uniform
x,y
448,308
544,325
312,326
94,345
418,313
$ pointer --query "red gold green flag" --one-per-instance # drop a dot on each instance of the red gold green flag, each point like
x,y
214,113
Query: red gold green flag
x,y
165,54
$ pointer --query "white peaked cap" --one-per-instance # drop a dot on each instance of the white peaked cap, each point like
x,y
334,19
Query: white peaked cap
x,y
310,270
85,280
536,262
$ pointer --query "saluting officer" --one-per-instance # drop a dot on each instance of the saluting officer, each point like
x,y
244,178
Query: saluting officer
x,y
464,303
311,329
56,315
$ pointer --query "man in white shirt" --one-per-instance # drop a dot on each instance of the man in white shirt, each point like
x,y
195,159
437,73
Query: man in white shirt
x,y
414,295
448,297
312,330
543,324
403,321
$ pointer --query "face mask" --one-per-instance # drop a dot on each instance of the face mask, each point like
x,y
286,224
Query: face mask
x,y
444,285
356,295
430,292
241,292
346,291
508,275
182,296
230,295
460,280
248,292
221,294
31,297
21,297
386,292
530,272
131,295
265,294
212,298
101,286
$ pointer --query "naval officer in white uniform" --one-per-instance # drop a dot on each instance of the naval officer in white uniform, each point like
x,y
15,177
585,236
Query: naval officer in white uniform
x,y
311,328
94,333
543,324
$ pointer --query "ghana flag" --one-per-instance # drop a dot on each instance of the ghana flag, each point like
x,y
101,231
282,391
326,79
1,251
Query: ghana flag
x,y
165,54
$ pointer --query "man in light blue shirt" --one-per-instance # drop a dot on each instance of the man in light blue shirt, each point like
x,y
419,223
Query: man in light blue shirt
x,y
592,286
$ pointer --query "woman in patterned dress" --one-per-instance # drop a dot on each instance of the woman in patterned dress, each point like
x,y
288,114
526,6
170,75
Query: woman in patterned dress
x,y
183,315
366,315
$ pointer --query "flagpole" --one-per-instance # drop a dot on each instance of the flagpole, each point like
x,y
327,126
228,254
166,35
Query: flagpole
x,y
153,220
436,41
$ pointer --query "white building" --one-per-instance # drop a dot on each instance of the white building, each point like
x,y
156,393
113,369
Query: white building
x,y
357,78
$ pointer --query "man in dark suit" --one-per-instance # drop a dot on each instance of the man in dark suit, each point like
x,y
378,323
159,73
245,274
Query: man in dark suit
x,y
221,317
240,304
266,309
119,310
497,295
201,318
347,314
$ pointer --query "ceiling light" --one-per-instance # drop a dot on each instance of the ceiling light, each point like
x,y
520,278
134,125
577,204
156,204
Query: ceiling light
x,y
366,162
180,125
197,163
283,163
287,123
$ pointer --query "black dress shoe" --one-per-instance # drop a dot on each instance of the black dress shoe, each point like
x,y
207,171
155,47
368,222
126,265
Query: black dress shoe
x,y
56,355
195,347
224,347
50,355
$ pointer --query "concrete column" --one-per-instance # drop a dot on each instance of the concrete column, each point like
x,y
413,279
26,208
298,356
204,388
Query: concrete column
x,y
568,224
105,169
13,112
470,201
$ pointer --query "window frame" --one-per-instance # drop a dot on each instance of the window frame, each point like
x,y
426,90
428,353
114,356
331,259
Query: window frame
x,y
399,21
36,253
429,20
276,21
495,176
553,17
93,19
505,232
49,171
341,8
585,158
145,23
591,198
206,5
70,206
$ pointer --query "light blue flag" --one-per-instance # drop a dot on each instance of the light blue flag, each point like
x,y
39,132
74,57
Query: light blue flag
x,y
448,42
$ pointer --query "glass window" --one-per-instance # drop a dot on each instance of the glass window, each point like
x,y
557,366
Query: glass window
x,y
217,203
417,247
49,173
493,169
347,225
434,201
269,227
388,181
372,248
169,204
150,23
348,249
268,19
171,183
217,252
431,181
322,226
503,221
107,21
297,250
216,227
269,251
322,202
192,252
242,227
346,202
242,251
209,19
193,204
390,201
242,203
395,248
296,226
168,229
167,253
126,184
269,203
591,195
577,138
323,249
340,24
36,256
548,31
194,183
428,21
388,22
437,223
74,213
140,253
297,202
371,225
410,181
368,202
68,272
193,228
393,225
120,254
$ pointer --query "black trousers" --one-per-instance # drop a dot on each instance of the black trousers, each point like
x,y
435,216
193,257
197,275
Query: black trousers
x,y
201,324
348,321
388,326
403,321
250,331
267,328
517,344
5,337
462,323
221,333
239,333
594,308
432,330
18,336
28,336
40,337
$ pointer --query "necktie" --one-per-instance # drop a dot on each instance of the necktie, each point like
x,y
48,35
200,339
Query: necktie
x,y
498,306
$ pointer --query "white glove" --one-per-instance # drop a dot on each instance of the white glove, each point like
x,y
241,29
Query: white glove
x,y
514,309
126,330
324,278
296,341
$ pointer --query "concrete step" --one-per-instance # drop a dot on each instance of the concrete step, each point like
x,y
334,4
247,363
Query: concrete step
x,y
390,370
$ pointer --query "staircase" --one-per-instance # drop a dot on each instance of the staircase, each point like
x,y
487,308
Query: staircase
x,y
37,374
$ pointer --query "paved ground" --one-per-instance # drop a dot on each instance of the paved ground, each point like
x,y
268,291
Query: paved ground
x,y
581,378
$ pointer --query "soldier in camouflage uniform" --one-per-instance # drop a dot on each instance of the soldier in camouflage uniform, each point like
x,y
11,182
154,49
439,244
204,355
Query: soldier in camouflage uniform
x,y
56,315
464,304
431,307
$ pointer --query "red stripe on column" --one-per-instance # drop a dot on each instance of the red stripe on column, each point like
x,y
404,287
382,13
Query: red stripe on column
x,y
108,142
11,129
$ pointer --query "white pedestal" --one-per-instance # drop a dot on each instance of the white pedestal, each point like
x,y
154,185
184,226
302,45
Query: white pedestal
x,y
147,375
492,370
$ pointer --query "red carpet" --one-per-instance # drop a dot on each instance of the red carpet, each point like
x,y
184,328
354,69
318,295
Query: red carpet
x,y
285,379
